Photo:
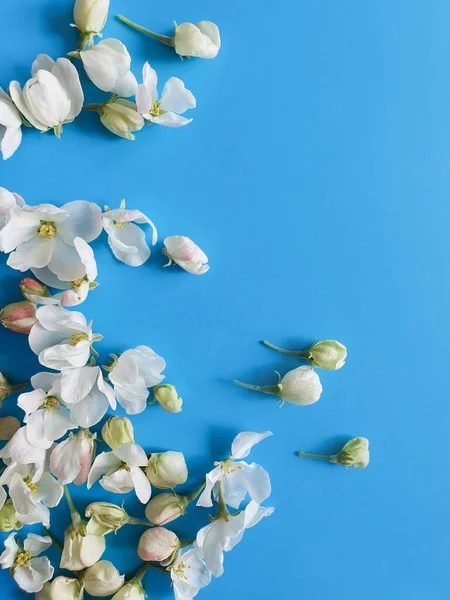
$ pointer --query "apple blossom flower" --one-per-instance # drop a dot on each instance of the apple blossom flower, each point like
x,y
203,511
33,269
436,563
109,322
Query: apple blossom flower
x,y
71,459
189,574
19,316
355,454
32,499
47,418
132,374
181,250
166,470
175,100
86,394
7,389
158,544
300,386
43,236
62,339
121,471
29,571
237,478
75,292
83,546
167,397
117,431
110,518
102,579
90,17
52,97
328,354
8,427
62,588
8,200
8,521
20,451
107,65
10,126
201,40
119,116
225,532
125,238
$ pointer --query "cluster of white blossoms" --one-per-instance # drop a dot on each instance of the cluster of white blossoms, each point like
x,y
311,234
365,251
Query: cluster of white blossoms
x,y
54,97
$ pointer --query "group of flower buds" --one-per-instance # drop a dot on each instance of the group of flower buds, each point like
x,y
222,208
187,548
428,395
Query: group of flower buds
x,y
302,386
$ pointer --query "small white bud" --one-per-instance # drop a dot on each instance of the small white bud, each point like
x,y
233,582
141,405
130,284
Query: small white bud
x,y
355,454
102,579
166,470
121,117
201,40
117,431
90,15
164,508
158,544
167,397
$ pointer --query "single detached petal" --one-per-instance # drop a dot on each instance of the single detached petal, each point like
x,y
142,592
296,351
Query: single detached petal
x,y
244,442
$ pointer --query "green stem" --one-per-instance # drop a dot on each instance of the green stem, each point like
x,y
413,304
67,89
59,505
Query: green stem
x,y
191,497
331,458
164,39
296,353
54,540
73,511
186,543
92,107
133,521
266,389
19,387
222,511
84,39
143,570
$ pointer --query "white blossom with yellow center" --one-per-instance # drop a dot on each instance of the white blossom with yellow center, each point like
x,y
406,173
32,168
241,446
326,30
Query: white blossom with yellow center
x,y
29,569
189,574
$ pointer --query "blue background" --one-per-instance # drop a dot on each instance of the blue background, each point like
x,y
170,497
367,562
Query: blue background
x,y
316,177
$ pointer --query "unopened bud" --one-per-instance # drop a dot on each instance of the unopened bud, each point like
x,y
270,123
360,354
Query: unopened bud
x,y
164,508
32,289
109,517
19,316
102,579
167,397
117,431
8,521
166,470
355,454
158,544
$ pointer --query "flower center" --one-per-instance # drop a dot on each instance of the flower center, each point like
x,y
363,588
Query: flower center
x,y
77,284
77,337
121,225
23,559
30,485
51,403
47,230
180,570
155,109
228,467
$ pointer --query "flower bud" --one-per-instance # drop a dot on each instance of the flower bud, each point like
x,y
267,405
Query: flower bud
x,y
130,591
158,544
166,470
8,427
65,588
300,386
328,354
102,579
121,117
90,15
355,453
201,40
32,289
19,316
167,397
8,520
164,508
83,547
117,431
108,516
6,389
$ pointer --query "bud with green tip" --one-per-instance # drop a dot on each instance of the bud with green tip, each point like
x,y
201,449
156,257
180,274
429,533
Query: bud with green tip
x,y
32,289
328,354
119,116
355,454
166,470
102,579
167,397
117,431
8,521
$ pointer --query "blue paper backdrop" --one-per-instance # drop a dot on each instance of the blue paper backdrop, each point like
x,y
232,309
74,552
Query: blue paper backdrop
x,y
316,177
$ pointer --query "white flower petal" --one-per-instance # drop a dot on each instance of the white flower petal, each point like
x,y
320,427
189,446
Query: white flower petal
x,y
31,401
132,455
36,252
65,262
17,230
128,245
10,141
170,119
91,410
85,221
244,442
35,430
36,544
176,97
150,364
211,479
126,86
57,423
103,463
119,482
77,383
44,381
49,278
141,484
67,76
10,552
19,100
31,579
21,451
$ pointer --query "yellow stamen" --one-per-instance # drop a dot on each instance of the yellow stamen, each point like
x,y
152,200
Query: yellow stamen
x,y
30,485
77,337
23,559
180,570
229,467
51,403
122,225
77,284
155,109
46,231
125,468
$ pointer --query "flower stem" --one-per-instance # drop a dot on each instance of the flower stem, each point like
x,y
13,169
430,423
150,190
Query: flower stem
x,y
164,39
186,543
92,107
297,353
19,387
133,521
54,540
143,570
73,511
222,511
84,39
331,458
191,497
266,389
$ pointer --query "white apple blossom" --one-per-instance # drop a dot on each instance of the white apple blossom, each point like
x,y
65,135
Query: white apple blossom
x,y
125,238
47,418
121,471
225,532
86,394
102,579
10,126
61,338
76,291
19,450
28,569
71,459
236,477
175,100
201,40
107,65
44,236
52,97
132,374
189,574
186,254
119,116
82,546
7,201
